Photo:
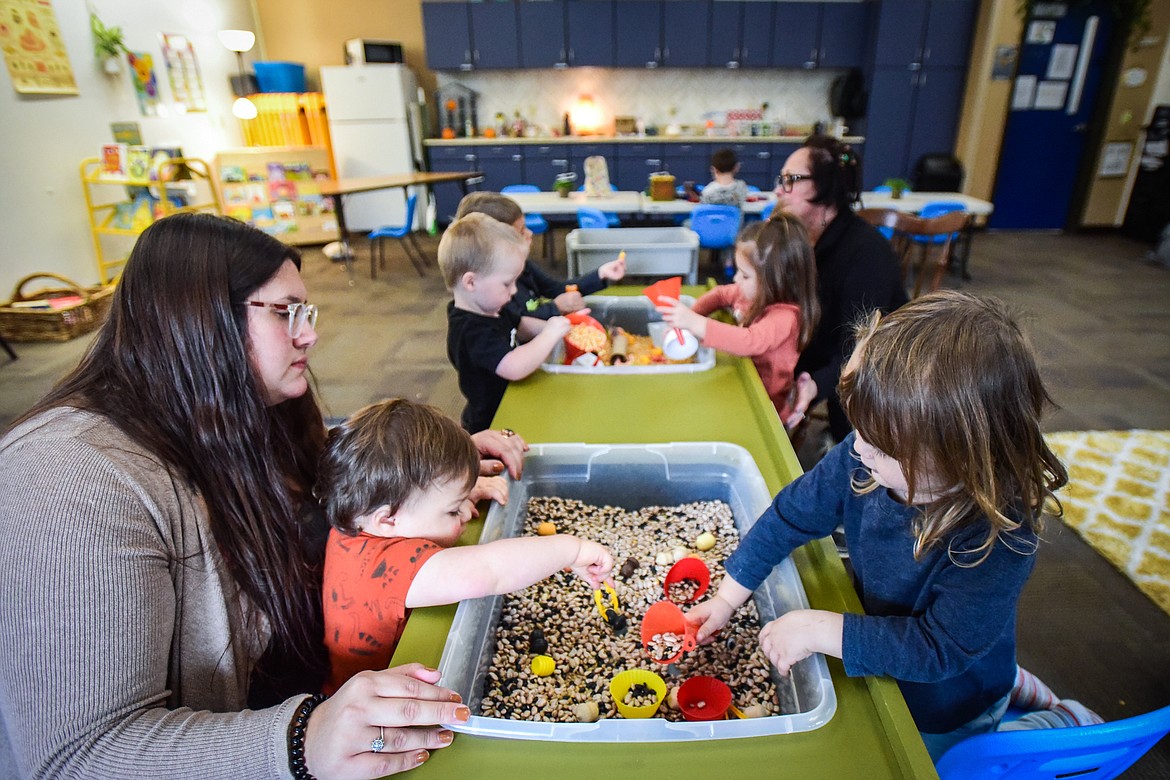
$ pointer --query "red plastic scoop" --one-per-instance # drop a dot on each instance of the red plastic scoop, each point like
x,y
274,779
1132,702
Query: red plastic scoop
x,y
671,288
665,618
688,569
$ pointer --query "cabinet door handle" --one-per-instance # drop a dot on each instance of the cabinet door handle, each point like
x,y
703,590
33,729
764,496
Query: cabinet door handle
x,y
517,158
469,157
926,54
922,79
914,66
560,163
763,155
572,56
653,163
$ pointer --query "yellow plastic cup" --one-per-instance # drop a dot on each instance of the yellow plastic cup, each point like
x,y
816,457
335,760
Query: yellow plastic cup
x,y
621,684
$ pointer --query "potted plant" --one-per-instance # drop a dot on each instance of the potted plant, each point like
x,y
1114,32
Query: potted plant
x,y
897,187
108,44
564,183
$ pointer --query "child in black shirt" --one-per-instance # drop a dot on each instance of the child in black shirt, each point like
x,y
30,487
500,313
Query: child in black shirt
x,y
489,345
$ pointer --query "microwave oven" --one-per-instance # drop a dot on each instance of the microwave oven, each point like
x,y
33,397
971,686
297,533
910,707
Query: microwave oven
x,y
362,51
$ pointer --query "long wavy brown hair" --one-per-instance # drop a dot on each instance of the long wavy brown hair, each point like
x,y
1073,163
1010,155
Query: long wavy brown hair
x,y
170,368
948,386
782,256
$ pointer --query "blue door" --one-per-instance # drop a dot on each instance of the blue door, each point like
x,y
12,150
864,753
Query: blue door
x,y
1044,154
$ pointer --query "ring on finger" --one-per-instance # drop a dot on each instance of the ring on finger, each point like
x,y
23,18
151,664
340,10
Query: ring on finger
x,y
508,433
379,742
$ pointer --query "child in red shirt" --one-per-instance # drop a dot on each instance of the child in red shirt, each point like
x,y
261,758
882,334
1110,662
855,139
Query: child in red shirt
x,y
774,301
395,481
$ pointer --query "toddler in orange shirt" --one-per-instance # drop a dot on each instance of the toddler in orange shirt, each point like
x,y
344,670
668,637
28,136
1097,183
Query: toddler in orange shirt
x,y
395,481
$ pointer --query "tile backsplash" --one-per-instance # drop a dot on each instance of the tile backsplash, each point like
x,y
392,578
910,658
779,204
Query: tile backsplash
x,y
658,97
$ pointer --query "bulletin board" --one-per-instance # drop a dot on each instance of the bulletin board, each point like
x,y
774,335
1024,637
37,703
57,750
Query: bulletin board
x,y
276,190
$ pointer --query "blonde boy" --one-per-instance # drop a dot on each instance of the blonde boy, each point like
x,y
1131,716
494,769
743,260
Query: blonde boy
x,y
395,481
489,344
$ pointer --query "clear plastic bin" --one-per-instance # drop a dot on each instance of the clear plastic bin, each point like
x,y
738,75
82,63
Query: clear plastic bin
x,y
635,476
650,251
635,315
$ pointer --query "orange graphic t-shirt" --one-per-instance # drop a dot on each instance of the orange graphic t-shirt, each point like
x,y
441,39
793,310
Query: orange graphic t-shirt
x,y
366,580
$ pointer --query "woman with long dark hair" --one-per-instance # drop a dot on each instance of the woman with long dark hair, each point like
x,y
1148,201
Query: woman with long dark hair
x,y
160,580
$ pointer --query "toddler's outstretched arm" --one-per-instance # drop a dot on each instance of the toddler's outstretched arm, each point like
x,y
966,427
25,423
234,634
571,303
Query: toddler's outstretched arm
x,y
504,566
526,358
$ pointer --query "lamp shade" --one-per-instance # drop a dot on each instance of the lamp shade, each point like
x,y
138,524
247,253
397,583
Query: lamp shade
x,y
244,109
237,40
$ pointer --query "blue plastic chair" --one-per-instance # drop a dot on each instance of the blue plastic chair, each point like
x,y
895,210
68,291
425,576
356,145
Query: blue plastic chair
x,y
405,235
611,219
936,208
534,222
591,218
717,226
766,214
1099,752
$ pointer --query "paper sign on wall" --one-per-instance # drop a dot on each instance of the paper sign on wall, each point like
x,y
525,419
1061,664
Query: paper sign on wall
x,y
33,49
1041,32
1115,159
1024,93
1062,60
1050,95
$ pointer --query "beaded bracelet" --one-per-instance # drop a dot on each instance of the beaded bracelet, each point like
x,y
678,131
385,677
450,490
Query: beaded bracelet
x,y
296,737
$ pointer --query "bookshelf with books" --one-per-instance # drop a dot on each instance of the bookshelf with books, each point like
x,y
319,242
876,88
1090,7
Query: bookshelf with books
x,y
277,190
170,184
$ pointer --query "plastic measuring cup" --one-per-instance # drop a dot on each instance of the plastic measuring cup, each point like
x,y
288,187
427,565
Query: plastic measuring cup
x,y
621,684
664,617
704,698
688,569
572,351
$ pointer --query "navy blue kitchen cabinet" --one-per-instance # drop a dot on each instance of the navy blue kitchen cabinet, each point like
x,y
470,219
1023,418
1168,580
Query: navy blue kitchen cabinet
x,y
688,162
780,153
495,38
542,163
449,159
741,34
755,162
685,40
638,34
820,35
844,33
635,163
542,34
501,164
447,33
916,88
590,26
796,35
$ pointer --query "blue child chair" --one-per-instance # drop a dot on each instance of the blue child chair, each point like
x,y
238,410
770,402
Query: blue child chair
x,y
766,214
717,226
936,208
1101,752
534,222
404,234
611,219
591,218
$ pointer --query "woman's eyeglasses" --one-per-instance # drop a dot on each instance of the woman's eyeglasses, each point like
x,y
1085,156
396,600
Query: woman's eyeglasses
x,y
298,314
785,180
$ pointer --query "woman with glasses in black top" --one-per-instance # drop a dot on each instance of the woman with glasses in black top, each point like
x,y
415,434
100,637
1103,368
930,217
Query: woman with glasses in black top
x,y
857,271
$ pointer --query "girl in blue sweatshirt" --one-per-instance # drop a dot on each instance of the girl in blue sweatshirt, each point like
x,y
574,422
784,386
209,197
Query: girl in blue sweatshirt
x,y
940,490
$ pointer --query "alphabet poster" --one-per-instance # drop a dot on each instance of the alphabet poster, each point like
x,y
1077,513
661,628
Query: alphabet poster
x,y
33,49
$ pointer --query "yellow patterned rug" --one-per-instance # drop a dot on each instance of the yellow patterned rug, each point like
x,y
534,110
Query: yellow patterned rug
x,y
1118,500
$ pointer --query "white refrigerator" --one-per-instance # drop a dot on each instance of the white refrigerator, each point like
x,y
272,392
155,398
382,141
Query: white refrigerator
x,y
374,121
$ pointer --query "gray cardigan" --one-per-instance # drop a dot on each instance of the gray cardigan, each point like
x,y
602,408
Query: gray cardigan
x,y
127,648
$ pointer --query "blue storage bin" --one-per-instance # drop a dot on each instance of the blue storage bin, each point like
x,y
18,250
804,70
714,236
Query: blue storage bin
x,y
280,76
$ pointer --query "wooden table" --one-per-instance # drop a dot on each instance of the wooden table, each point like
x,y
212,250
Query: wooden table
x,y
871,734
339,188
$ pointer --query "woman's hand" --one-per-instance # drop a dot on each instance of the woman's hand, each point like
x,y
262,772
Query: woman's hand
x,y
390,705
488,489
678,315
500,450
796,635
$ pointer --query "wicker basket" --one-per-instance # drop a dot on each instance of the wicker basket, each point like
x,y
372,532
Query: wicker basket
x,y
23,323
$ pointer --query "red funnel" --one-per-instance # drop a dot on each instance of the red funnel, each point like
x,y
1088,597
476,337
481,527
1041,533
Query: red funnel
x,y
671,288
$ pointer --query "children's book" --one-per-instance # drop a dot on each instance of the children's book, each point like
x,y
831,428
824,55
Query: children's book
x,y
138,162
113,160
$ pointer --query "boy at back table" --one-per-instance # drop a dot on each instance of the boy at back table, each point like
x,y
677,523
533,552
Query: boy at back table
x,y
725,189
489,344
394,481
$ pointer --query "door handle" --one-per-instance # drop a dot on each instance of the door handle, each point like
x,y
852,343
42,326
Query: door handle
x,y
1078,83
1080,127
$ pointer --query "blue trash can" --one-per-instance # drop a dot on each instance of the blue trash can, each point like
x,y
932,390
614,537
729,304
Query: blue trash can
x,y
280,76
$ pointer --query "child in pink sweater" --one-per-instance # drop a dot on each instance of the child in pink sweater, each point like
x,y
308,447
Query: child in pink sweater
x,y
774,301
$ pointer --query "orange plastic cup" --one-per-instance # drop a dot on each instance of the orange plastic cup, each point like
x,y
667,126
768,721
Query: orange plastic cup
x,y
688,569
712,694
671,288
663,617
572,351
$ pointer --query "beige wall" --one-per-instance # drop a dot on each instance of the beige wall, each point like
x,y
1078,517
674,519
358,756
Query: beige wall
x,y
1129,110
312,31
